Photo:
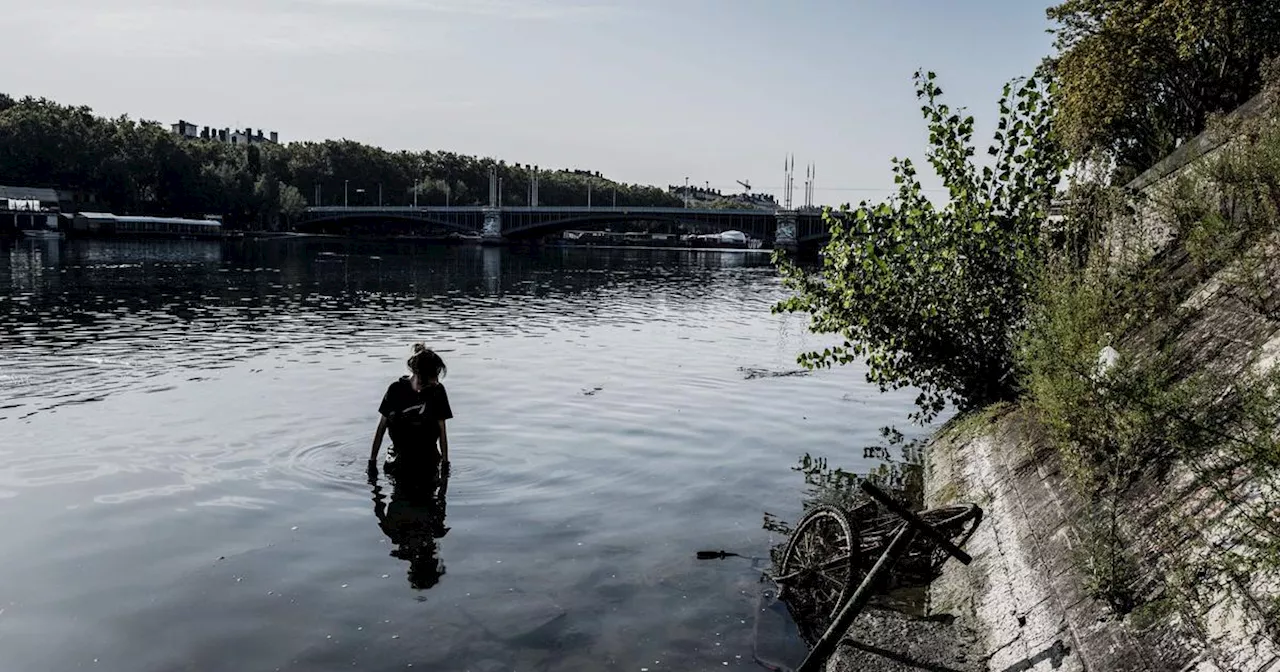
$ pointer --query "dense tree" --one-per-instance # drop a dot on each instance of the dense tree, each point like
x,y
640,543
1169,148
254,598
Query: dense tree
x,y
142,168
1139,76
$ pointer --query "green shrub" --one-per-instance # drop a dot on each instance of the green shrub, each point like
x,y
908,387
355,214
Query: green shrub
x,y
929,296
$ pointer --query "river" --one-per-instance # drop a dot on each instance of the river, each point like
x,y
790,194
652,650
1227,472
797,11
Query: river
x,y
184,428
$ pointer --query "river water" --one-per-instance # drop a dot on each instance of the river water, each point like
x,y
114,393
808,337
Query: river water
x,y
184,428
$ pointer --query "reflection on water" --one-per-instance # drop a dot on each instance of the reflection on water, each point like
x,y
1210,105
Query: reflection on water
x,y
107,308
185,432
413,521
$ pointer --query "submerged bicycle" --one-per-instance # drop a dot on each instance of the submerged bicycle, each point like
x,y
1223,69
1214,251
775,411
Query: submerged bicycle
x,y
833,550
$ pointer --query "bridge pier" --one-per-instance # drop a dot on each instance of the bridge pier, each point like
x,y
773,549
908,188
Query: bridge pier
x,y
491,234
786,237
491,259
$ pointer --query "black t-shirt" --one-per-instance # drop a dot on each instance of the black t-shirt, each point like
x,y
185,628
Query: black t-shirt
x,y
413,418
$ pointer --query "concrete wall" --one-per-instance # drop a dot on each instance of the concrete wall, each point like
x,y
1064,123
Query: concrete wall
x,y
1135,240
1026,592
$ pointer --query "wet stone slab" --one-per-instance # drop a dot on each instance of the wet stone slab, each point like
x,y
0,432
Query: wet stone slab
x,y
888,641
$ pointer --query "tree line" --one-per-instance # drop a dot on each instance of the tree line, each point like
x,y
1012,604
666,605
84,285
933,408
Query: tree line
x,y
1136,79
141,167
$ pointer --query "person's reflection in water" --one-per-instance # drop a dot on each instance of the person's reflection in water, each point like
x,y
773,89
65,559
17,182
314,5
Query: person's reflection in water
x,y
414,411
414,520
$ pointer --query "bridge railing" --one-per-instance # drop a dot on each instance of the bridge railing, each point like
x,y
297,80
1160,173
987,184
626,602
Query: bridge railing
x,y
550,210
359,209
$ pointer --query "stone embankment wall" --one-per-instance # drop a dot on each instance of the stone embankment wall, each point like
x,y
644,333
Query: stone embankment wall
x,y
1026,595
1149,230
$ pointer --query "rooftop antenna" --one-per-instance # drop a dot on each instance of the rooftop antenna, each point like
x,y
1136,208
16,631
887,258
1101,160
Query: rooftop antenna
x,y
791,182
806,186
786,183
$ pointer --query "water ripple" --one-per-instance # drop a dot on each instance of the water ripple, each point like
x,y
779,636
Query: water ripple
x,y
192,420
333,463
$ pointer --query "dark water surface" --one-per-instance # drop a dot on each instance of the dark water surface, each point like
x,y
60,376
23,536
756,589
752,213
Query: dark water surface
x,y
184,428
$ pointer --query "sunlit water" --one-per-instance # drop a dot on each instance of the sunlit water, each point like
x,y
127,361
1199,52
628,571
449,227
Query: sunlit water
x,y
184,428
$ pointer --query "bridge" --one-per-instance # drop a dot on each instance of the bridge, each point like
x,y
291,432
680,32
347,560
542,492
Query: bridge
x,y
782,228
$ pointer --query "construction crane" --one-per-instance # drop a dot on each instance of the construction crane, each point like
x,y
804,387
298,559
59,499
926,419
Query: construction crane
x,y
745,185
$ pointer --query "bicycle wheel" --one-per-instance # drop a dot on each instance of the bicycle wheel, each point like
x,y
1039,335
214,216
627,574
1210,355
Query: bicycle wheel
x,y
876,533
820,568
957,522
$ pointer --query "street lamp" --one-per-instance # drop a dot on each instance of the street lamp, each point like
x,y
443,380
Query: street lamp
x,y
344,192
686,191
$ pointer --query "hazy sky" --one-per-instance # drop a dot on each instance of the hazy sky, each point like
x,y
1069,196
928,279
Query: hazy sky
x,y
646,91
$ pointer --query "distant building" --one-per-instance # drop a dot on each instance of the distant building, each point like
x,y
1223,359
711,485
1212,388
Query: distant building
x,y
189,131
185,130
132,225
28,199
699,196
28,209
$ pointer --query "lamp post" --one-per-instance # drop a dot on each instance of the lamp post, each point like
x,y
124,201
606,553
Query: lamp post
x,y
344,192
686,191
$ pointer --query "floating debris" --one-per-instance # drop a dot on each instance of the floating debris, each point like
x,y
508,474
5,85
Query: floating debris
x,y
753,373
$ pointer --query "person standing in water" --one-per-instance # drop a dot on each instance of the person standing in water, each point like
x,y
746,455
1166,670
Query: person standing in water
x,y
414,411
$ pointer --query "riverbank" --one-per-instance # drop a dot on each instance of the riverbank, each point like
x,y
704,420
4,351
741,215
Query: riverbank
x,y
1024,593
1169,568
1130,488
1025,602
1027,593
1187,546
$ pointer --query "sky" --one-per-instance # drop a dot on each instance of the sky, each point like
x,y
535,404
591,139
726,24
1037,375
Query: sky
x,y
644,91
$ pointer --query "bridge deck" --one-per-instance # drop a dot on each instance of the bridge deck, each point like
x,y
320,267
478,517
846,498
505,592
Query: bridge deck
x,y
530,222
542,209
